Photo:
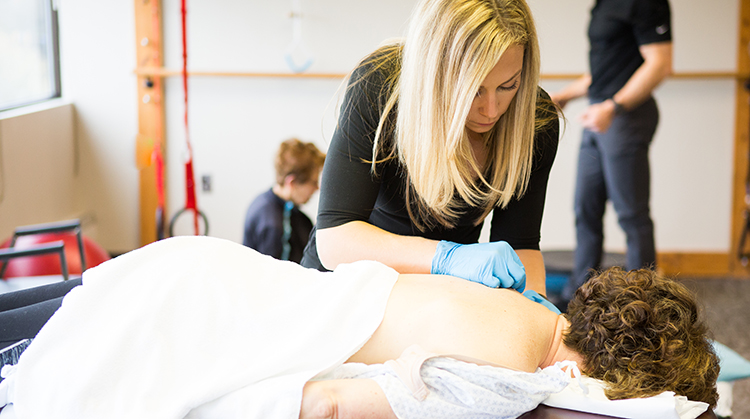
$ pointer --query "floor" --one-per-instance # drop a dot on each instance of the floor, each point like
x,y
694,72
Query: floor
x,y
726,309
726,303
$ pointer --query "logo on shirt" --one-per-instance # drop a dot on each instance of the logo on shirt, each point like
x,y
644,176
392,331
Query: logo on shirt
x,y
661,30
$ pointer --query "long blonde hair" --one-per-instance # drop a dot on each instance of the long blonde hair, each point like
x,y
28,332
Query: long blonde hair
x,y
449,50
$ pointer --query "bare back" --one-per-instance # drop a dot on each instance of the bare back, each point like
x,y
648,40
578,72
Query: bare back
x,y
452,316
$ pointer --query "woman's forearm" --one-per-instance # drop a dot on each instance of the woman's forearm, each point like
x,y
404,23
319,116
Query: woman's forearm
x,y
574,90
533,262
358,240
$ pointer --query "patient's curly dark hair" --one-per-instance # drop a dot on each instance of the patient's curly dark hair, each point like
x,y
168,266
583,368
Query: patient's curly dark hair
x,y
640,333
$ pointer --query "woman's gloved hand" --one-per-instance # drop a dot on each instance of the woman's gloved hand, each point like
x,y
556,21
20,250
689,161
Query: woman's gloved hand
x,y
535,297
493,264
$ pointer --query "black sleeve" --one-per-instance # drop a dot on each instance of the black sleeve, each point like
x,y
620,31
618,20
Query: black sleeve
x,y
652,21
520,222
348,190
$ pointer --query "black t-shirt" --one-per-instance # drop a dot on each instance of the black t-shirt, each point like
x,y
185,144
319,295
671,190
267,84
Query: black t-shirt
x,y
616,31
350,192
264,227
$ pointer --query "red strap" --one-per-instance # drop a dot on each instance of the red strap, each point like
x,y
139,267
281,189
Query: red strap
x,y
190,201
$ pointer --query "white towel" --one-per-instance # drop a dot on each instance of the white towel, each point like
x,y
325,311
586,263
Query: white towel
x,y
193,321
586,394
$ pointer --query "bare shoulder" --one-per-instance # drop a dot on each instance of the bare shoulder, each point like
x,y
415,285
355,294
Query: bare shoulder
x,y
451,316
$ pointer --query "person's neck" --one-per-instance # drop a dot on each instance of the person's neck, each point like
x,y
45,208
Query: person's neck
x,y
282,192
558,351
478,149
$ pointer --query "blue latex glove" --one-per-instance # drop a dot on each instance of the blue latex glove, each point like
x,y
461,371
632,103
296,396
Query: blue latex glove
x,y
535,297
493,264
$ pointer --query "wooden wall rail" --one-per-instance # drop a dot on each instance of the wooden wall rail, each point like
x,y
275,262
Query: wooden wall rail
x,y
164,72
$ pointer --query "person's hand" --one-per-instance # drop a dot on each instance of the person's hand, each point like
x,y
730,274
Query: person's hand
x,y
493,264
598,116
535,297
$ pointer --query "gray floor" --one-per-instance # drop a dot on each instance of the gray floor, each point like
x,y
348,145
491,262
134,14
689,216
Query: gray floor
x,y
726,303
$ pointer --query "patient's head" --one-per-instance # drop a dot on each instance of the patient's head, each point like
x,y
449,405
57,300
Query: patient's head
x,y
640,333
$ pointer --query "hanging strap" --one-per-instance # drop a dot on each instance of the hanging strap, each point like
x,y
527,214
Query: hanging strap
x,y
286,245
158,155
190,201
296,50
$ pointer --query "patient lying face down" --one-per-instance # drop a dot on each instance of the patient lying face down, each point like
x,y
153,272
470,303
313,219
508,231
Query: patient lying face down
x,y
636,331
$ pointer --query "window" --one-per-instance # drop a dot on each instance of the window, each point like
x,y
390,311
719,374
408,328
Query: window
x,y
29,64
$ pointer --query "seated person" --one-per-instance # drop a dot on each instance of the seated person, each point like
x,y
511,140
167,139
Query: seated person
x,y
298,167
637,331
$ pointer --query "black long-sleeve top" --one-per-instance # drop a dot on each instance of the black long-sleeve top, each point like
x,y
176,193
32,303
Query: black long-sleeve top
x,y
351,192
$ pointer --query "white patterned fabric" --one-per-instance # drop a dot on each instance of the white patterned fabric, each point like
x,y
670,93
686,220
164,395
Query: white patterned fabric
x,y
448,388
458,389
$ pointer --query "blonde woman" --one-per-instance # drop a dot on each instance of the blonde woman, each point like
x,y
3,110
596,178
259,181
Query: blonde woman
x,y
435,133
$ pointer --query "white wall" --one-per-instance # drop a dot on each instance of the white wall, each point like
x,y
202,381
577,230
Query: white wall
x,y
246,118
236,123
691,156
97,47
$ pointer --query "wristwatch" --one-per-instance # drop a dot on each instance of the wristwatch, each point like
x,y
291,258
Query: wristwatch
x,y
619,109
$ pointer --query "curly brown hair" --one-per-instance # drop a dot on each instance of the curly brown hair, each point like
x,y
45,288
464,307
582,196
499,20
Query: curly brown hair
x,y
297,158
640,333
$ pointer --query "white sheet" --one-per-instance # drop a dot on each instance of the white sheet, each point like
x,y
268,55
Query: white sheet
x,y
194,321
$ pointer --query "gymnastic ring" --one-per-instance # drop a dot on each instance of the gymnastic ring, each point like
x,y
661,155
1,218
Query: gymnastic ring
x,y
178,213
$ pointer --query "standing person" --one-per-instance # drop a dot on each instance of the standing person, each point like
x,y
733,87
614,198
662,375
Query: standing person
x,y
630,55
436,132
274,224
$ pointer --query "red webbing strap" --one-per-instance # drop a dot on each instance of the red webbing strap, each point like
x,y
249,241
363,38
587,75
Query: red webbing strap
x,y
157,155
190,202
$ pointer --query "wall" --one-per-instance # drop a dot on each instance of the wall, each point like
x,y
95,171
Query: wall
x,y
236,123
38,166
691,156
254,114
97,44
247,118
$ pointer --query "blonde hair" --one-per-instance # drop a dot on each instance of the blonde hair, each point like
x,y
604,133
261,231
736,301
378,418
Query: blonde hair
x,y
450,48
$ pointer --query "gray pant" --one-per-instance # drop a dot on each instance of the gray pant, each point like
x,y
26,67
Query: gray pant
x,y
615,166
